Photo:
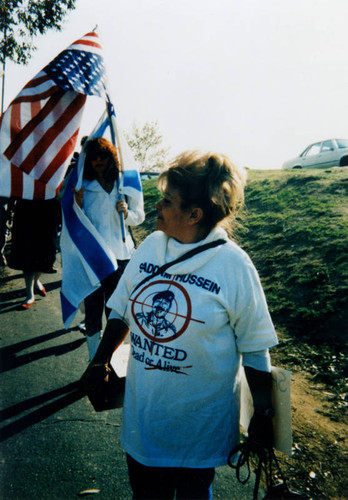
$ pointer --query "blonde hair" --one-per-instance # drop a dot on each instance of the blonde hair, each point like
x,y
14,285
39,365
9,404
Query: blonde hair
x,y
209,181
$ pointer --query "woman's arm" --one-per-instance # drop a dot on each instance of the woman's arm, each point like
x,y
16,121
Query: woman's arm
x,y
98,369
260,428
115,333
260,384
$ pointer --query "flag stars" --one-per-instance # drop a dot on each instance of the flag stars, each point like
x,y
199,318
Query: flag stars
x,y
80,71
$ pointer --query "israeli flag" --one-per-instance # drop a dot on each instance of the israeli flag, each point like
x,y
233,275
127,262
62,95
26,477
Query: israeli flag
x,y
86,259
130,183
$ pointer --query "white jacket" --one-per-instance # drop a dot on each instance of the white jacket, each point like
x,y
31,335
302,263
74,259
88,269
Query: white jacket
x,y
100,208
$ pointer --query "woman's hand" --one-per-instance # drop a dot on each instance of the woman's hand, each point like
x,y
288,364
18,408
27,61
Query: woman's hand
x,y
102,386
122,206
260,431
79,194
94,376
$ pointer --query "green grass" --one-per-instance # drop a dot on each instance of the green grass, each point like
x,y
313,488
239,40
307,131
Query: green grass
x,y
296,232
294,226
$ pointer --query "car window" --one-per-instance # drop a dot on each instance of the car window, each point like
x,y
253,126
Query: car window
x,y
313,150
327,146
304,152
342,143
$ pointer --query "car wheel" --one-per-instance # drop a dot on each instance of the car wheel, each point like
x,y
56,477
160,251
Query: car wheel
x,y
296,167
344,161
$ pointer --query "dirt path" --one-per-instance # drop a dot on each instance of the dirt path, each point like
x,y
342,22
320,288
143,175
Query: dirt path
x,y
318,466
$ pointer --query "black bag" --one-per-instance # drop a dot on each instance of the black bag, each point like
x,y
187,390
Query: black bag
x,y
107,391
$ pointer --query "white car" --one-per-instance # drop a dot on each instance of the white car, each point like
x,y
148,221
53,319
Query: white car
x,y
324,154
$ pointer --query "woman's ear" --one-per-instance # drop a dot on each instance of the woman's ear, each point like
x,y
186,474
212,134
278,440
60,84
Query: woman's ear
x,y
195,216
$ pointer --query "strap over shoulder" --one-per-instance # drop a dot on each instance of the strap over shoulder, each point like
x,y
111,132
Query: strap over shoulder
x,y
183,257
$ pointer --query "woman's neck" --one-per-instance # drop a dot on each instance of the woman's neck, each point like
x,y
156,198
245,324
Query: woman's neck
x,y
195,235
106,184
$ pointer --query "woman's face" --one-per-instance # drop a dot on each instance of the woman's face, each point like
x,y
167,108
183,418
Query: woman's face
x,y
171,219
99,165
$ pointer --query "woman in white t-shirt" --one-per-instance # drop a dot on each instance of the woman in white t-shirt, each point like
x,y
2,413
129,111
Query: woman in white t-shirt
x,y
100,201
192,325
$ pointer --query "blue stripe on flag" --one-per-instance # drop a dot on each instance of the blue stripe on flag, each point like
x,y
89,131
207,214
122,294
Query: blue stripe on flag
x,y
131,179
101,130
90,249
67,308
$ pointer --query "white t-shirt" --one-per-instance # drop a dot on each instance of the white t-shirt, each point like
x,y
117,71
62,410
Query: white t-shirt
x,y
100,208
189,329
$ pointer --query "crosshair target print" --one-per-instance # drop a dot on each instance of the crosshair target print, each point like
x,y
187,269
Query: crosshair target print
x,y
162,310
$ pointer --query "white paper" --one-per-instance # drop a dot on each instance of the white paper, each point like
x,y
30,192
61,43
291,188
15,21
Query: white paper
x,y
119,360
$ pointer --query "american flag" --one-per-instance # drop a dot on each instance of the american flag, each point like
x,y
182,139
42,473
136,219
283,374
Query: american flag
x,y
38,131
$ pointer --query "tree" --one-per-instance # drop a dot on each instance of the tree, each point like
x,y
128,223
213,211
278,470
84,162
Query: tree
x,y
21,21
146,145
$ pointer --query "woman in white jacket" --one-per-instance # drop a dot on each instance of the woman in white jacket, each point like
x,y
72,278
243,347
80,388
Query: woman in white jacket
x,y
99,199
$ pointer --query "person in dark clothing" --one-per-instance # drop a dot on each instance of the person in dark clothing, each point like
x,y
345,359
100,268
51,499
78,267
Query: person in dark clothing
x,y
34,243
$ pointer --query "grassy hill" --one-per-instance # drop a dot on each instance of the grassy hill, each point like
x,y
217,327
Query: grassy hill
x,y
296,232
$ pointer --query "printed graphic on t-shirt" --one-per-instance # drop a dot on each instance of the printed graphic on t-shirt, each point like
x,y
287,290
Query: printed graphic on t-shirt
x,y
162,310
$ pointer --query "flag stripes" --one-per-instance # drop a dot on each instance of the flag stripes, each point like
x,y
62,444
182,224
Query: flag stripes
x,y
90,40
32,127
38,132
39,89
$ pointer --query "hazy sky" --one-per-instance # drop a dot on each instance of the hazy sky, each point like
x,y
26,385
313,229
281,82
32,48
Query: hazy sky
x,y
256,79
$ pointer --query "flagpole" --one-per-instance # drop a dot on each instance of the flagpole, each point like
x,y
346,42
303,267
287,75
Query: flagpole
x,y
115,141
3,79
